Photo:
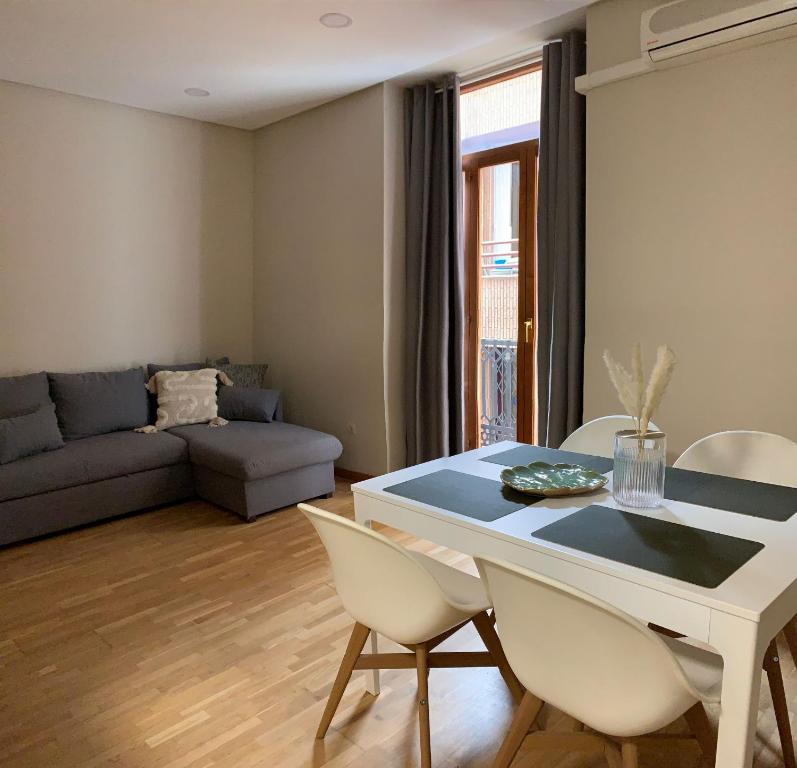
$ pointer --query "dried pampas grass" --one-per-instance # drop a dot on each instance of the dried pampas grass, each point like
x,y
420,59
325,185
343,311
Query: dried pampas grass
x,y
657,386
639,401
624,384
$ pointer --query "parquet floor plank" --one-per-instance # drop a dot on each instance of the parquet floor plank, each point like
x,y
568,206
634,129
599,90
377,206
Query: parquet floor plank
x,y
183,638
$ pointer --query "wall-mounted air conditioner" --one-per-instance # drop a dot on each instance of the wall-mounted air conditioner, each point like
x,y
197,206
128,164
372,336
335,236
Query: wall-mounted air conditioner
x,y
671,31
687,26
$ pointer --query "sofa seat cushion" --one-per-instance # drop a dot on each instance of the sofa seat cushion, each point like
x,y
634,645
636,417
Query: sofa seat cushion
x,y
89,460
251,451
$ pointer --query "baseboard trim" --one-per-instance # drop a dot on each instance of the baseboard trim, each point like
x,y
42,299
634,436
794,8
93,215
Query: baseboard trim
x,y
349,474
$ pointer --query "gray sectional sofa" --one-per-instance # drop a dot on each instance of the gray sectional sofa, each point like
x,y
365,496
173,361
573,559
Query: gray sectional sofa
x,y
101,468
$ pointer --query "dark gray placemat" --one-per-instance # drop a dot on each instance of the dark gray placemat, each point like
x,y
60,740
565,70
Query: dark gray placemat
x,y
746,497
525,454
476,497
693,555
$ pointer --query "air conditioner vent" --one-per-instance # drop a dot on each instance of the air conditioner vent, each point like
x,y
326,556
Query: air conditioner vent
x,y
681,27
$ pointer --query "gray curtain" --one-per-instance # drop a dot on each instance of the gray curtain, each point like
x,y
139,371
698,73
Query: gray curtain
x,y
560,242
434,394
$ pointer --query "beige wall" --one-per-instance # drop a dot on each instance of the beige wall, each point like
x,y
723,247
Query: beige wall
x,y
125,235
691,230
128,236
319,270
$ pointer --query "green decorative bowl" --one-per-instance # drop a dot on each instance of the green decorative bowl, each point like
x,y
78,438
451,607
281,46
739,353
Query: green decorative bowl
x,y
542,479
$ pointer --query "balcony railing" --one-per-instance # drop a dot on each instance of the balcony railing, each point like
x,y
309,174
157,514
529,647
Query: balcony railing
x,y
497,390
499,257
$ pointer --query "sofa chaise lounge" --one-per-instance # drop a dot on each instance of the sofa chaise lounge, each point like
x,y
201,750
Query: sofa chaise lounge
x,y
104,469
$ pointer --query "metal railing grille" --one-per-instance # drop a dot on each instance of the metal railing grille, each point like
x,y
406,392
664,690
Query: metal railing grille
x,y
498,390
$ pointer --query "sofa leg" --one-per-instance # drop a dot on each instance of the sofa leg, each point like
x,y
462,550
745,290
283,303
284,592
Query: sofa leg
x,y
328,495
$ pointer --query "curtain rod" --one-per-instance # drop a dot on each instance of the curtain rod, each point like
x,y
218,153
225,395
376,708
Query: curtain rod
x,y
499,66
504,64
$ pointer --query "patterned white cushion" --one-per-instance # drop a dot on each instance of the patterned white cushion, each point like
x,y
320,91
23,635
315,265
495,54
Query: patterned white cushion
x,y
185,397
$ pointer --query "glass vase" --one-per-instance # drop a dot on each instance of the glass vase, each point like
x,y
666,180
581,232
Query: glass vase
x,y
639,462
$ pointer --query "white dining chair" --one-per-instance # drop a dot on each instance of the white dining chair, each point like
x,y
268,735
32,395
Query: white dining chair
x,y
598,665
765,458
748,455
409,598
596,437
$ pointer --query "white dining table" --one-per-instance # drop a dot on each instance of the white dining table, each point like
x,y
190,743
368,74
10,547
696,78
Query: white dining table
x,y
738,618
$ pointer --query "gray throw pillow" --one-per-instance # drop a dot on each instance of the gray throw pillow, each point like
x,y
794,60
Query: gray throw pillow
x,y
23,394
248,403
245,375
95,403
29,434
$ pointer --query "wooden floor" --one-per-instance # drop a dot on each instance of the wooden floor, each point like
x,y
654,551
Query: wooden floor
x,y
183,638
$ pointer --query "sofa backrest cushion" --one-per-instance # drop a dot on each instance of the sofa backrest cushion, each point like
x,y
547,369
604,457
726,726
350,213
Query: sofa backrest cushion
x,y
29,434
23,394
243,374
153,368
95,403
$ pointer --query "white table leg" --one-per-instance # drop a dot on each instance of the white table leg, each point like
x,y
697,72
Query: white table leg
x,y
742,651
372,675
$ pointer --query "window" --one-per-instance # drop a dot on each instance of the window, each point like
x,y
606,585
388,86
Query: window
x,y
499,131
502,111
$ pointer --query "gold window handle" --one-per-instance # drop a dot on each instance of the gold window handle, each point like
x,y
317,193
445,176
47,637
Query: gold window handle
x,y
529,325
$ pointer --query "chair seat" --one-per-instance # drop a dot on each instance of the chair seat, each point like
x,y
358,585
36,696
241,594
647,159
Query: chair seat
x,y
465,596
464,591
703,668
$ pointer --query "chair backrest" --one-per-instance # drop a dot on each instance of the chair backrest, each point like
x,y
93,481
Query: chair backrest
x,y
759,456
380,584
584,656
596,437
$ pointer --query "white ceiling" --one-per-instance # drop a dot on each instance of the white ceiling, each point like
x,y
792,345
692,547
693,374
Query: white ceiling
x,y
262,60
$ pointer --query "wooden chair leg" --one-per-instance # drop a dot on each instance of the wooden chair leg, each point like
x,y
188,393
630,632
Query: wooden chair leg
x,y
486,630
630,755
611,752
525,716
790,631
421,656
775,678
353,650
698,722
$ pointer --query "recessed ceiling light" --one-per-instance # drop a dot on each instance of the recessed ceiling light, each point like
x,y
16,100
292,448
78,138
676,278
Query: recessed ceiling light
x,y
336,20
198,92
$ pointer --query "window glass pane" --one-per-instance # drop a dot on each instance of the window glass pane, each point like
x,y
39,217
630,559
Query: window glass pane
x,y
502,113
499,203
